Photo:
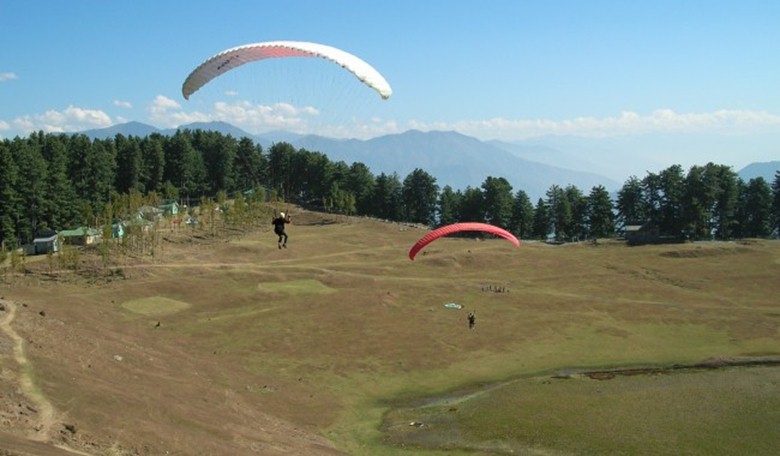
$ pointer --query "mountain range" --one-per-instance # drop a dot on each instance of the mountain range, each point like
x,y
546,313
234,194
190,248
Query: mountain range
x,y
454,159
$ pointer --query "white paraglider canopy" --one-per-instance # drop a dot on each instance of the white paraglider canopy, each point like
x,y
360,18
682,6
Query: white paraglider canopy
x,y
234,57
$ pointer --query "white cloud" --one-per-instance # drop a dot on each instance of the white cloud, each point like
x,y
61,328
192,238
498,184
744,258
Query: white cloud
x,y
123,104
256,118
161,102
7,76
166,112
252,117
87,116
361,130
627,123
71,119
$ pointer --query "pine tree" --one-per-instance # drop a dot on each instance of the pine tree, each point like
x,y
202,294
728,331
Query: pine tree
x,y
522,215
449,206
726,196
631,205
671,220
776,204
9,197
60,210
100,175
419,194
387,197
541,220
360,182
31,185
250,165
578,228
755,208
601,218
152,162
497,195
559,213
128,164
472,205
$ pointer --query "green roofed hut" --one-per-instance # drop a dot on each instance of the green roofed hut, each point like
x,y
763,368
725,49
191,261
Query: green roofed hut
x,y
80,236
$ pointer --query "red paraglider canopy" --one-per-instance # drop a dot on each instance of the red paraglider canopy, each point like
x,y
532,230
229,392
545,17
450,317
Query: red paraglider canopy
x,y
458,227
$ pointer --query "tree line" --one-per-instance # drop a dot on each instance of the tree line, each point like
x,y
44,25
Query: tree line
x,y
61,181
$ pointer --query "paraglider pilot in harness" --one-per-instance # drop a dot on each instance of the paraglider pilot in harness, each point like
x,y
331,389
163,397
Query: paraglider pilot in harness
x,y
472,320
278,224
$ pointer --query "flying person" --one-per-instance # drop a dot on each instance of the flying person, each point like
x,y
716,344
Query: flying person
x,y
278,224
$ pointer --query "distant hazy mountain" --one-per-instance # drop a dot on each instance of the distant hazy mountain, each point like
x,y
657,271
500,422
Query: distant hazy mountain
x,y
453,159
126,129
766,170
277,136
221,127
141,129
545,154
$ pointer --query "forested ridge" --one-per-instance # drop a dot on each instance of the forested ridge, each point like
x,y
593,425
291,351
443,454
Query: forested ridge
x,y
61,181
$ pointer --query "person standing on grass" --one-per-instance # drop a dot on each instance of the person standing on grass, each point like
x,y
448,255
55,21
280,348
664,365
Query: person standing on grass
x,y
278,224
472,320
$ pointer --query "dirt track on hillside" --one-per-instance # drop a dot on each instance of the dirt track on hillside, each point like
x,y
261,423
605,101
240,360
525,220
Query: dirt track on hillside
x,y
43,418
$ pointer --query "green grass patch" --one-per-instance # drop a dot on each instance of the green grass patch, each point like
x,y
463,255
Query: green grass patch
x,y
305,286
155,305
728,411
570,348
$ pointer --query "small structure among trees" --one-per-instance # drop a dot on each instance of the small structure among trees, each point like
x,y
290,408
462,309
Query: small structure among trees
x,y
170,209
644,233
45,243
82,235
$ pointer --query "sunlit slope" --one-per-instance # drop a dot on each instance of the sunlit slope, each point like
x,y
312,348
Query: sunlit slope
x,y
305,349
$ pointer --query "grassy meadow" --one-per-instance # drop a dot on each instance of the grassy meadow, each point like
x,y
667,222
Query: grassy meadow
x,y
341,344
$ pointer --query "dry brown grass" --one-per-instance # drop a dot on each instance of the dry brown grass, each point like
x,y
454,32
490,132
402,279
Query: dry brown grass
x,y
300,350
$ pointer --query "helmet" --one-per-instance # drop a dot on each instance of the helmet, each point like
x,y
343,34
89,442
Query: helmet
x,y
281,214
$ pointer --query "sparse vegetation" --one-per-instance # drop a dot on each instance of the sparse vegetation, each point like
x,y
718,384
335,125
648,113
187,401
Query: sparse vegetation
x,y
337,342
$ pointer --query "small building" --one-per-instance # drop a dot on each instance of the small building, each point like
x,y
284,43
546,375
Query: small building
x,y
80,236
170,209
138,225
638,234
118,229
150,213
46,243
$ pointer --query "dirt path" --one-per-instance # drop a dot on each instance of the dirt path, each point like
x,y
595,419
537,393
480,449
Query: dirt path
x,y
46,416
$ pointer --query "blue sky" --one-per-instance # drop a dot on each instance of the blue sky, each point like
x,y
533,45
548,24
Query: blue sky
x,y
509,69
